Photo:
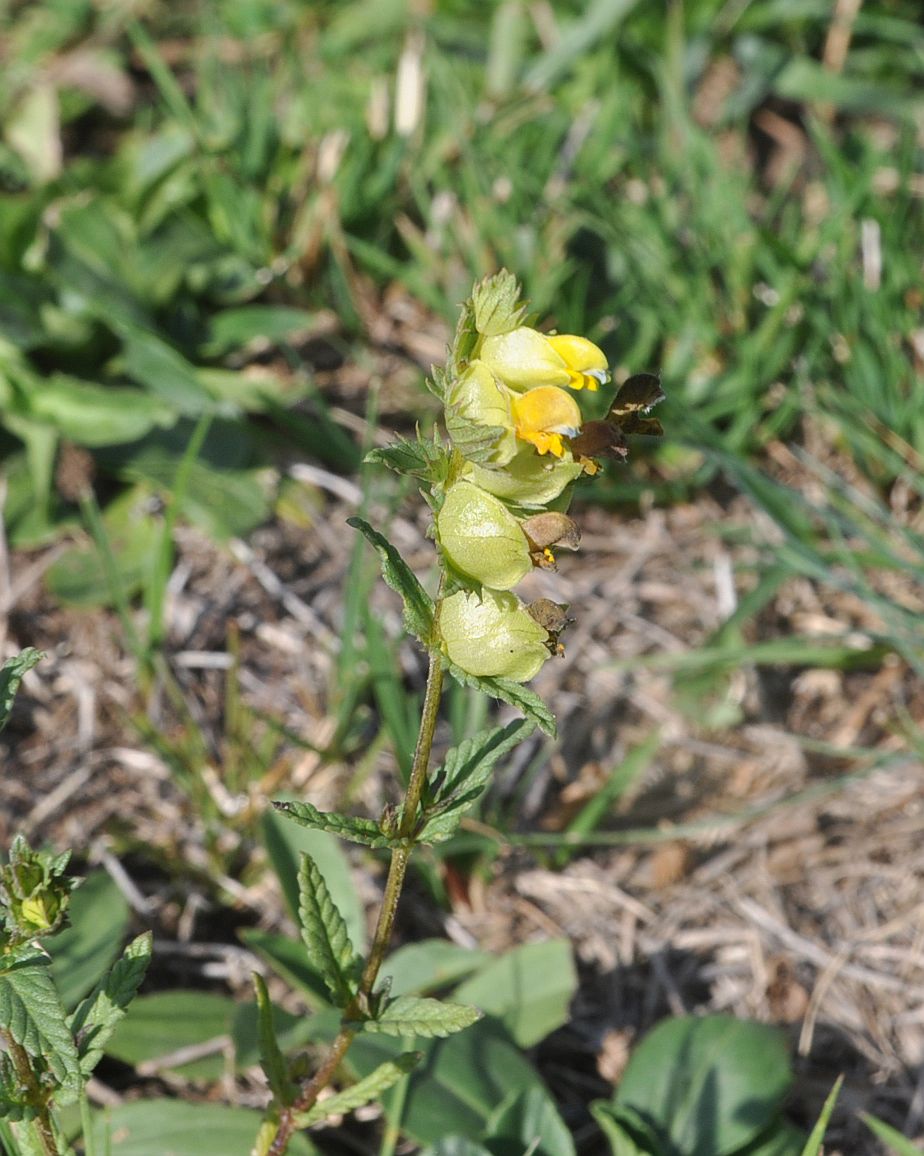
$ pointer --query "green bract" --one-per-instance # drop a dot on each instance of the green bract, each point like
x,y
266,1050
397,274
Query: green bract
x,y
478,416
481,538
529,479
492,636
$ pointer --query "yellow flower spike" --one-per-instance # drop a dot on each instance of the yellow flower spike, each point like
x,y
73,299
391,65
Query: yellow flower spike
x,y
481,538
492,636
542,416
586,362
525,358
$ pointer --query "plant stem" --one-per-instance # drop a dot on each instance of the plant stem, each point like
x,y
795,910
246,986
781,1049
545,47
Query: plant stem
x,y
41,1122
359,1005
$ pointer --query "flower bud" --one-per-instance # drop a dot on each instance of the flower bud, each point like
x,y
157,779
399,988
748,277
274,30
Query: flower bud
x,y
478,416
525,358
528,479
492,636
481,538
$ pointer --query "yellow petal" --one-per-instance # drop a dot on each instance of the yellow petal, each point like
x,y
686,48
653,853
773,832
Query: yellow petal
x,y
586,362
524,358
543,415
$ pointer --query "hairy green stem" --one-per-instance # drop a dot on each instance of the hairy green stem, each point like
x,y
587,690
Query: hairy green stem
x,y
359,1005
41,1122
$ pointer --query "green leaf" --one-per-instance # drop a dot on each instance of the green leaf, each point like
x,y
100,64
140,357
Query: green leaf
x,y
181,1128
288,958
272,1060
431,965
165,372
161,1024
285,843
457,784
83,952
528,988
419,458
95,1019
459,1084
525,701
530,1122
263,324
325,934
409,1015
780,1139
712,1084
97,415
627,1132
418,605
456,1146
898,1144
365,831
32,1013
364,1091
817,1134
11,675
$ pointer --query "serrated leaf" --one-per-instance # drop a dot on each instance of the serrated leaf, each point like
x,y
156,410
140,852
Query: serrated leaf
x,y
409,1015
11,675
476,443
272,1060
32,1013
514,693
406,457
364,1091
462,778
365,831
325,934
95,1019
418,605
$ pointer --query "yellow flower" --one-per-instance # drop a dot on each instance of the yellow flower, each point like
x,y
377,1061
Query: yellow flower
x,y
481,538
524,358
543,415
493,636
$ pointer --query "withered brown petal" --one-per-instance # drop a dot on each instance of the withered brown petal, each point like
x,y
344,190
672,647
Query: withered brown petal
x,y
637,395
551,616
552,529
599,439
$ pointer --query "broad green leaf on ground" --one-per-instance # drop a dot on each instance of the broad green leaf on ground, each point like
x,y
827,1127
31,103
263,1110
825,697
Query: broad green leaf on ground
x,y
712,1084
179,1128
528,988
272,1060
11,675
285,841
364,1091
456,1146
522,698
159,1025
459,1083
325,934
32,1013
95,1019
457,784
529,1122
97,415
781,1139
898,1144
165,372
84,951
430,966
79,575
409,1015
365,831
418,605
261,325
627,1132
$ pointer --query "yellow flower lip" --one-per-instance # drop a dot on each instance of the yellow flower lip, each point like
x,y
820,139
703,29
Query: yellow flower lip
x,y
543,416
525,358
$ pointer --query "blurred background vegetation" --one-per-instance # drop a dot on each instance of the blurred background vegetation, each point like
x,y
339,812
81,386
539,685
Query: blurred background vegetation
x,y
211,212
